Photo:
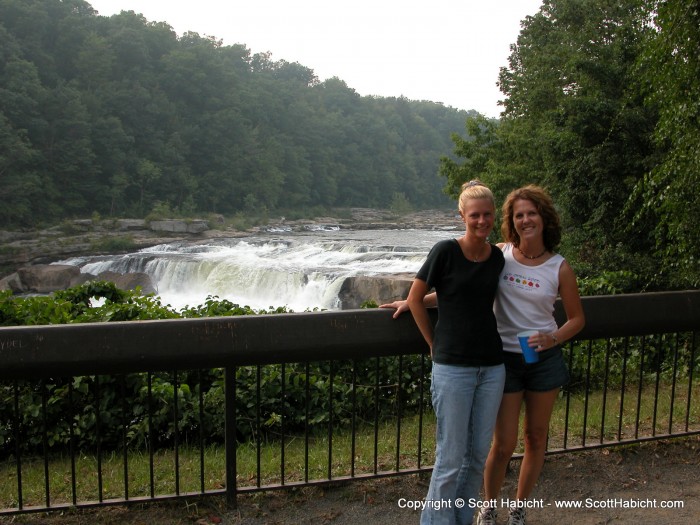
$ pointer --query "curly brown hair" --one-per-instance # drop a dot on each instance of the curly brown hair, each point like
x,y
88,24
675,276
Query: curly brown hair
x,y
545,207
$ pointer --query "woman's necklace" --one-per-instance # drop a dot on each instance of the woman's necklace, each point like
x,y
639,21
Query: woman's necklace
x,y
534,257
478,254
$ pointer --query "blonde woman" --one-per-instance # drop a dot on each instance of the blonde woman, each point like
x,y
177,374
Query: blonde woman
x,y
467,354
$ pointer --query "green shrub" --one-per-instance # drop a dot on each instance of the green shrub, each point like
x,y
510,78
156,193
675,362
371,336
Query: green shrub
x,y
609,283
124,243
400,205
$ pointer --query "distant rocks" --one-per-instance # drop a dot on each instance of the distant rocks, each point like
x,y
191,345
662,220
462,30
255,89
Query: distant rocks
x,y
47,278
92,237
179,226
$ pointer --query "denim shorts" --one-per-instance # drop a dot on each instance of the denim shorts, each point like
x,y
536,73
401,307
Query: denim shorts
x,y
548,373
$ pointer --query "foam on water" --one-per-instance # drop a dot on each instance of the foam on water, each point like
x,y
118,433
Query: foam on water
x,y
299,270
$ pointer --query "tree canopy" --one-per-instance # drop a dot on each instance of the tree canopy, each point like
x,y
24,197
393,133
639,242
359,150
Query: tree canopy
x,y
601,107
118,115
667,196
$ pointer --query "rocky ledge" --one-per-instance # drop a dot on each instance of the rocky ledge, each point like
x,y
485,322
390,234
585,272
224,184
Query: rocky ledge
x,y
88,237
47,278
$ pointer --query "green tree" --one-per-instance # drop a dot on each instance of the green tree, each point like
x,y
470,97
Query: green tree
x,y
21,186
573,121
667,197
96,106
477,151
71,180
573,111
147,174
20,122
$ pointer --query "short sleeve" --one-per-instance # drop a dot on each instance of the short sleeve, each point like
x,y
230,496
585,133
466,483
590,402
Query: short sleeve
x,y
433,268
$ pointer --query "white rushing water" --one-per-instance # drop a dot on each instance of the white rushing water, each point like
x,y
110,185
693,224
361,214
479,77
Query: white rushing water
x,y
297,270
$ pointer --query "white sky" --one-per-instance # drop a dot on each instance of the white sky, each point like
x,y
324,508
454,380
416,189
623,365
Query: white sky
x,y
447,51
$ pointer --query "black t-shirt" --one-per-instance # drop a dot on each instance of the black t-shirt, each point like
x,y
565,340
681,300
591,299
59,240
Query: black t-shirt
x,y
466,333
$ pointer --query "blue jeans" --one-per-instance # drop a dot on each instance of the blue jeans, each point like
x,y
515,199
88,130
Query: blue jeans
x,y
466,401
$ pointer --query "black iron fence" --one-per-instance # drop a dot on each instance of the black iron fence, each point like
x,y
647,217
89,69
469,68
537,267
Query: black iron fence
x,y
110,413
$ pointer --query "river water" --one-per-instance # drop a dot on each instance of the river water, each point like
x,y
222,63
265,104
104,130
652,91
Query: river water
x,y
297,269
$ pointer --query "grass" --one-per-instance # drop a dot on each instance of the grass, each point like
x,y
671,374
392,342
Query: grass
x,y
342,460
598,422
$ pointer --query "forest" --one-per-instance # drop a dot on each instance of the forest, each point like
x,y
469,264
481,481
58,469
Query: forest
x,y
118,116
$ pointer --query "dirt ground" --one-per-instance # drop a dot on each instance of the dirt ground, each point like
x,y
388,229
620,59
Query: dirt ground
x,y
624,485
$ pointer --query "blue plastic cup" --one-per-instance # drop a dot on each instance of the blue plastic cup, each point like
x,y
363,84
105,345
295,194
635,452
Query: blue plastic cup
x,y
529,353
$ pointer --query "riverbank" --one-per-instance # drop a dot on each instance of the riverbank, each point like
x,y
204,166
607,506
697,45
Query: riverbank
x,y
109,237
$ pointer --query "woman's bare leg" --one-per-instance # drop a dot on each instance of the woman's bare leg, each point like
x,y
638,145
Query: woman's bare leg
x,y
538,412
505,439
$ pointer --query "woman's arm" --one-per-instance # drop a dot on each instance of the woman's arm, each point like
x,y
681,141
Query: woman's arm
x,y
416,296
570,298
429,301
575,319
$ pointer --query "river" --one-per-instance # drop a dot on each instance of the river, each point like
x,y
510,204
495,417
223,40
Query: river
x,y
297,269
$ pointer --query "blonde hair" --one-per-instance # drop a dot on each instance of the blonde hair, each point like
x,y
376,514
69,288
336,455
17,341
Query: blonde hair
x,y
474,189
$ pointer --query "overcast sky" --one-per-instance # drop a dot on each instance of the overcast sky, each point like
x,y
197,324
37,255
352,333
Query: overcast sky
x,y
447,51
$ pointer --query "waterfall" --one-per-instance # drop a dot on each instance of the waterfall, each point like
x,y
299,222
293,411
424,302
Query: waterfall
x,y
298,271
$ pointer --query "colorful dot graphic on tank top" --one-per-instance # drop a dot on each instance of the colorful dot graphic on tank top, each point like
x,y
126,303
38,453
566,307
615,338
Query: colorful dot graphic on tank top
x,y
520,281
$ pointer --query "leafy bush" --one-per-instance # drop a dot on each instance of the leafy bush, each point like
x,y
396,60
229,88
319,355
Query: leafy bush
x,y
400,204
609,283
75,305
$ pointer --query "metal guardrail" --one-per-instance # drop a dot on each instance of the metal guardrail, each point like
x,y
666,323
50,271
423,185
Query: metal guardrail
x,y
38,353
133,346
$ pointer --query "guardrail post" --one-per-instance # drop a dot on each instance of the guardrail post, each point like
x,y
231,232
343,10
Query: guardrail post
x,y
230,435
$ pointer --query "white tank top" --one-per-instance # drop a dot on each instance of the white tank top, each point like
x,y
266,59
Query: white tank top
x,y
525,298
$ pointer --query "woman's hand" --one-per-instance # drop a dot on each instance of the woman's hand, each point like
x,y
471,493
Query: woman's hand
x,y
400,306
541,341
429,301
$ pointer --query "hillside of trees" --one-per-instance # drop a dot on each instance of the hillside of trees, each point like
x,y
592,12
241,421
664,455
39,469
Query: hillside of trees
x,y
118,115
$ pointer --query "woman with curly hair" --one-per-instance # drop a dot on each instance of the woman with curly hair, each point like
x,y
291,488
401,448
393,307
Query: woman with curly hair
x,y
533,276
